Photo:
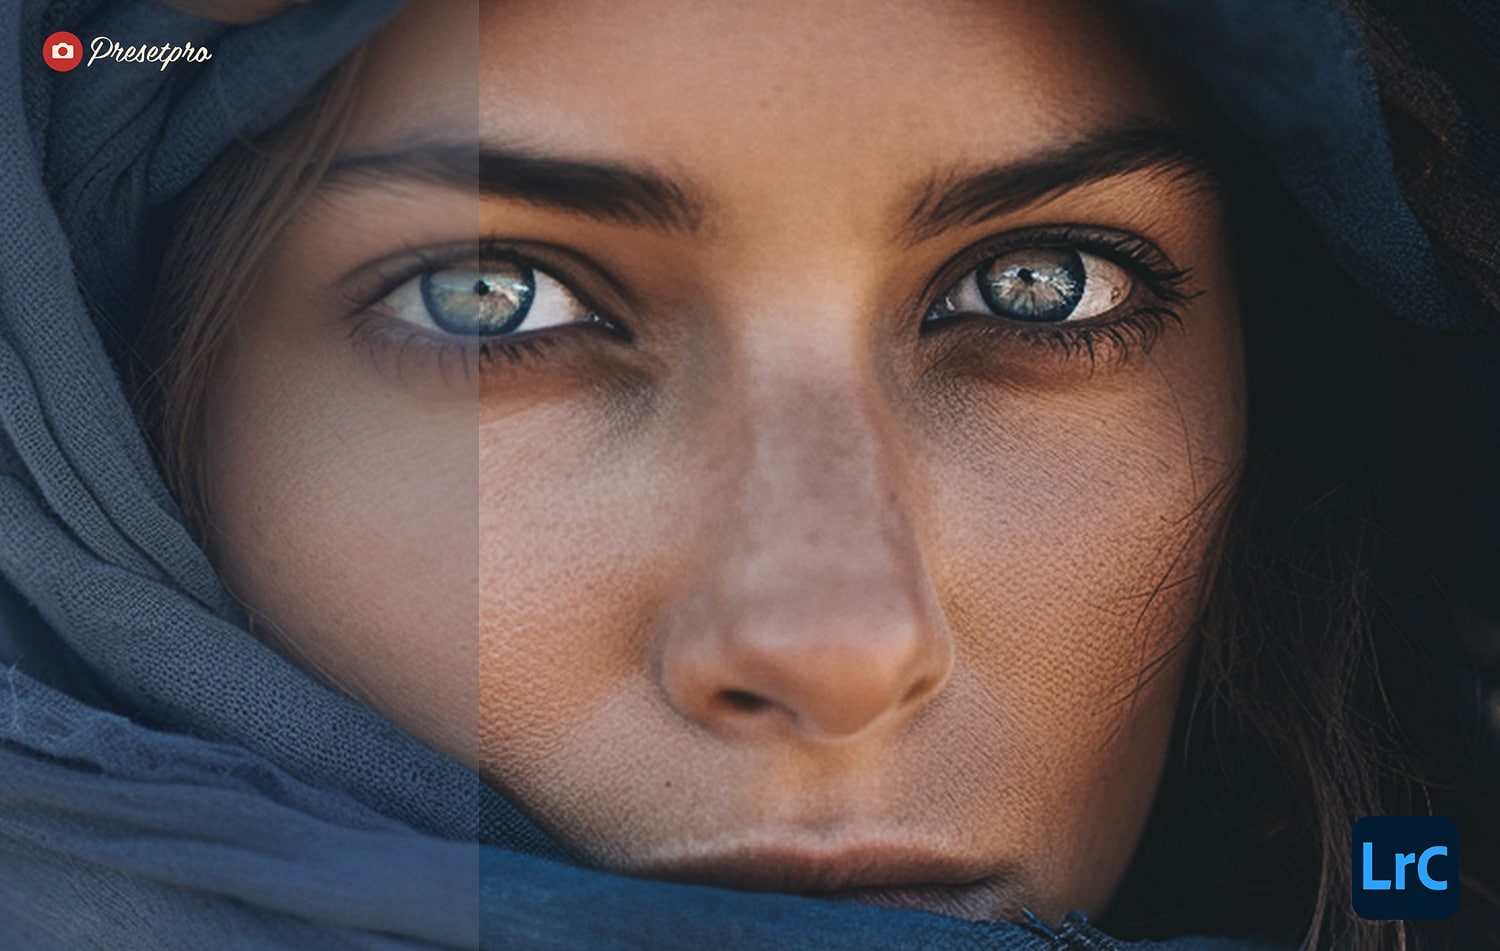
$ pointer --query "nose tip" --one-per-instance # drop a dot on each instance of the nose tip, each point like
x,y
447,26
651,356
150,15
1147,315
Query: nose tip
x,y
809,608
824,677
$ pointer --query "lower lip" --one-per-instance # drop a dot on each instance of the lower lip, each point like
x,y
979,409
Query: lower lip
x,y
987,900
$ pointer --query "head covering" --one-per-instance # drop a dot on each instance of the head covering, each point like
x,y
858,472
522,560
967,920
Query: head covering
x,y
168,780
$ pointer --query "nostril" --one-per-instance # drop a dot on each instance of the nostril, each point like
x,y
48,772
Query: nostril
x,y
917,691
743,700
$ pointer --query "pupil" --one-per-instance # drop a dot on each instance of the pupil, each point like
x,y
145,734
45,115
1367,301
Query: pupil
x,y
479,301
1041,285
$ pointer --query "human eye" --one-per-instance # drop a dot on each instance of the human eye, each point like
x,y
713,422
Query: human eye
x,y
475,305
1071,286
486,299
1040,285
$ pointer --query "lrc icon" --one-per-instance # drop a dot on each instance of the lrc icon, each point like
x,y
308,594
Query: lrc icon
x,y
1405,867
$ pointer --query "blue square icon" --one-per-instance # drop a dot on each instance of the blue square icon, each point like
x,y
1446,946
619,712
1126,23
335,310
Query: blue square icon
x,y
1405,867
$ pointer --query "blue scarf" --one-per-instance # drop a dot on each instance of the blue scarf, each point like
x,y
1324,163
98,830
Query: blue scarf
x,y
166,780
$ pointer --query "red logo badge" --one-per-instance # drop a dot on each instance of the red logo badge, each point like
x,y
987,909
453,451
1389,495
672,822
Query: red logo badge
x,y
62,51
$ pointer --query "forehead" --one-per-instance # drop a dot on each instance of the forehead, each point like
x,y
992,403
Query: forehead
x,y
860,90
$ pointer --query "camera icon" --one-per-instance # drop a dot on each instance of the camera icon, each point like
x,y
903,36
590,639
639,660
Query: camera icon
x,y
63,51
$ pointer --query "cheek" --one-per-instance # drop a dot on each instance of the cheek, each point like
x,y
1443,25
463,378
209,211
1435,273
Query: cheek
x,y
1067,601
1072,535
344,519
1083,529
578,559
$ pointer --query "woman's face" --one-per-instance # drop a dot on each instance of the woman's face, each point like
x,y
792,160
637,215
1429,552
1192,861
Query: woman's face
x,y
777,445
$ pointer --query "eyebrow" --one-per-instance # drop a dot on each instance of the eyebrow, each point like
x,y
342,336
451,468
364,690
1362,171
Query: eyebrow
x,y
603,190
956,200
640,197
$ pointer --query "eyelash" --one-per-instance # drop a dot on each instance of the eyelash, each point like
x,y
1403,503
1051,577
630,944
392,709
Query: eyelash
x,y
1131,327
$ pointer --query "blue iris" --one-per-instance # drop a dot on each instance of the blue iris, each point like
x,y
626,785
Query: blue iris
x,y
1042,285
485,301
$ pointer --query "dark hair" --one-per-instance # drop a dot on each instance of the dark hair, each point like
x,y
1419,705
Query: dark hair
x,y
225,229
1317,693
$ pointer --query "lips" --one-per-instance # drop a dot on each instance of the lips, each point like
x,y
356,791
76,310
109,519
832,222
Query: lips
x,y
873,874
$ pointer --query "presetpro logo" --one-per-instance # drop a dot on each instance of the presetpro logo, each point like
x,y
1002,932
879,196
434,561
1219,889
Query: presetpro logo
x,y
1405,867
62,51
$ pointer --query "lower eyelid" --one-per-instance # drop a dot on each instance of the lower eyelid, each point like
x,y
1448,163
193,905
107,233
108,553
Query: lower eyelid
x,y
407,351
978,340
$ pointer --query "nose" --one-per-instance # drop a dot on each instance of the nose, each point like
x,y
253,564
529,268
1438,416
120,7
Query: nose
x,y
814,612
